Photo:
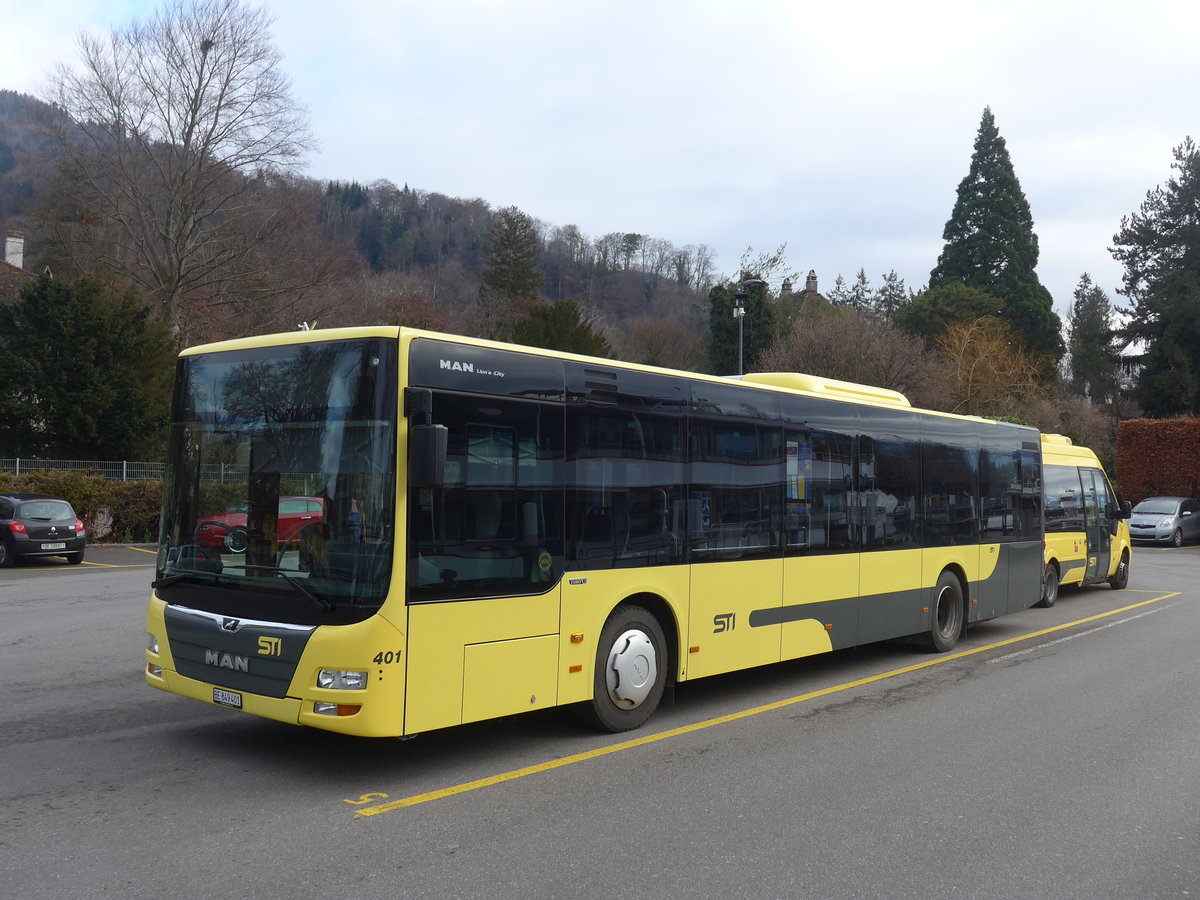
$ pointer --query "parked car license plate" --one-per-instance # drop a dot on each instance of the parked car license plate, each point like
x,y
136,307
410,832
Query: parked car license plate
x,y
54,546
227,698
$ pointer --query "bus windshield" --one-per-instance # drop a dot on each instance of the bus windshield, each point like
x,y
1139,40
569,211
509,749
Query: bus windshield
x,y
279,501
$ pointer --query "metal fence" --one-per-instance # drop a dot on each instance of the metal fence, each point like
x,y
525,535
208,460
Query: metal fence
x,y
119,470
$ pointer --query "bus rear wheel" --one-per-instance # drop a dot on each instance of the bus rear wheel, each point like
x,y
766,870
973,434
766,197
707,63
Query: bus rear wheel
x,y
1049,586
947,620
631,671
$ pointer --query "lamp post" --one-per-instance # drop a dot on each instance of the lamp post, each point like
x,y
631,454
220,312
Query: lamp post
x,y
739,312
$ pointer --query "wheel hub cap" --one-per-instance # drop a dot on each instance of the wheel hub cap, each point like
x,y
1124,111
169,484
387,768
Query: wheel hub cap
x,y
632,668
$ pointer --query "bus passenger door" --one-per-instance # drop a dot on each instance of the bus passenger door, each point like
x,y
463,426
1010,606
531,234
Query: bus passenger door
x,y
821,527
1099,541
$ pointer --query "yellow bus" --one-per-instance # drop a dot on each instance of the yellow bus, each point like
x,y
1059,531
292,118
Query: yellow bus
x,y
1087,535
383,531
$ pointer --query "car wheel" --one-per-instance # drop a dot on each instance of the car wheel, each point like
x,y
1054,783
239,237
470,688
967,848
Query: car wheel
x,y
1177,538
6,556
236,540
75,558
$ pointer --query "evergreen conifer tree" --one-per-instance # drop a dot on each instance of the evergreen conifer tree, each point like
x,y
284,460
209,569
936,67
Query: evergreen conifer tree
x,y
990,245
1095,364
511,257
561,326
1160,250
87,372
758,327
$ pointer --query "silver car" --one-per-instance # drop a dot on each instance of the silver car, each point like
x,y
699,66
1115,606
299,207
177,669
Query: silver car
x,y
1166,520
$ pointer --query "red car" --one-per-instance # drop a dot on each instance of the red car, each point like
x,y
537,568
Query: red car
x,y
228,529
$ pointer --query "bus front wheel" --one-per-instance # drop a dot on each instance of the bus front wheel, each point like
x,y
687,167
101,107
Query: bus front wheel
x,y
947,620
631,671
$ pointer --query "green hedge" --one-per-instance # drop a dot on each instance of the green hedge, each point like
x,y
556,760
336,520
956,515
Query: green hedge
x,y
1158,458
132,505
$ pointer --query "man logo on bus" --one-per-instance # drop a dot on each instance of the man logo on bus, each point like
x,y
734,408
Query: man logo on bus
x,y
226,661
455,366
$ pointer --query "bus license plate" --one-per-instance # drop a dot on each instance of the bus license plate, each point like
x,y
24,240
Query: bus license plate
x,y
227,698
54,546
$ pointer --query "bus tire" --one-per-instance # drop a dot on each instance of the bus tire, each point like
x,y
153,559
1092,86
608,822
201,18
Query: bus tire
x,y
1119,579
1049,586
631,671
947,620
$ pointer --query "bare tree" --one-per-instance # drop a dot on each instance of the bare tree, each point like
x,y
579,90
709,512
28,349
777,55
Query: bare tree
x,y
830,341
171,128
987,372
659,342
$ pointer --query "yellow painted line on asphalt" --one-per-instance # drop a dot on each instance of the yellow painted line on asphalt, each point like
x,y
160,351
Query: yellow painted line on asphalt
x,y
513,775
117,565
87,563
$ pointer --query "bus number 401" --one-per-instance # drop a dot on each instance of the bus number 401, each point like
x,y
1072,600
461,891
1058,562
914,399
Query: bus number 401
x,y
386,658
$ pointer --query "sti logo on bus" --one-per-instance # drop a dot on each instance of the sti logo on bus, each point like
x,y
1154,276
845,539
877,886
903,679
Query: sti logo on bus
x,y
226,661
724,622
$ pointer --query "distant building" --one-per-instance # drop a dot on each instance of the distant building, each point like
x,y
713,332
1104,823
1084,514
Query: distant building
x,y
1133,360
12,271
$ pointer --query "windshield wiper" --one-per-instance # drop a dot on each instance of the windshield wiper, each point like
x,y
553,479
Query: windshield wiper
x,y
168,580
300,586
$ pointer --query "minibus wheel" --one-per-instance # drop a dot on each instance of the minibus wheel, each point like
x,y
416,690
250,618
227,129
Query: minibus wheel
x,y
1119,580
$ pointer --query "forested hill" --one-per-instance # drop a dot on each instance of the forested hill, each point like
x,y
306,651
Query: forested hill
x,y
393,253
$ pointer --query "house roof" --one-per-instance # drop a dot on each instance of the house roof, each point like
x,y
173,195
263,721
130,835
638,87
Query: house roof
x,y
11,279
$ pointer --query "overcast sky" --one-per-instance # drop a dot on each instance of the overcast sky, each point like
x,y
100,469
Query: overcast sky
x,y
840,129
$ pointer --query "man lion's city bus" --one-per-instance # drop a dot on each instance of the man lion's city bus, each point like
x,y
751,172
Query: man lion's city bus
x,y
1087,537
382,531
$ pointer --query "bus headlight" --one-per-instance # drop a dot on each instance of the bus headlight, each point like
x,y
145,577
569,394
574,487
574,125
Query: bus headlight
x,y
338,680
151,643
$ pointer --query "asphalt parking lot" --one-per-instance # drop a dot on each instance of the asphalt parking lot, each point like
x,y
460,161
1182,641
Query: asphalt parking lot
x,y
98,556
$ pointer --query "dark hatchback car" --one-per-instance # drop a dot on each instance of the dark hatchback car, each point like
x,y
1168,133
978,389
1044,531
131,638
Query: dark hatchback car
x,y
37,525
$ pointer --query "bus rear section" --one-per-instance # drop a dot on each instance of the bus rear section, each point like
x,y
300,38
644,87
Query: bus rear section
x,y
1087,536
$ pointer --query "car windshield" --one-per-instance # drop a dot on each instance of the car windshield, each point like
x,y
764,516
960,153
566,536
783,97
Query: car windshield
x,y
46,509
1156,506
279,500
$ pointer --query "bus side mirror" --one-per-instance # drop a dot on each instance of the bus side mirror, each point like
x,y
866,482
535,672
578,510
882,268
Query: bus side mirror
x,y
1126,509
427,455
426,442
